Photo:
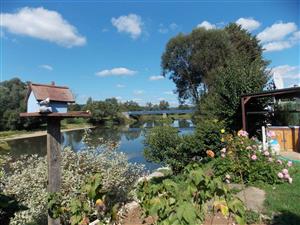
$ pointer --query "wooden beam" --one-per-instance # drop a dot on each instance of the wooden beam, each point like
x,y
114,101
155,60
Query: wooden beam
x,y
53,159
59,115
244,119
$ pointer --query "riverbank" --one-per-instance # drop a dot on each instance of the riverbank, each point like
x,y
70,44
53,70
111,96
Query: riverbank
x,y
14,135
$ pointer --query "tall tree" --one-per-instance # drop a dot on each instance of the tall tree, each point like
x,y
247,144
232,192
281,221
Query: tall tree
x,y
163,105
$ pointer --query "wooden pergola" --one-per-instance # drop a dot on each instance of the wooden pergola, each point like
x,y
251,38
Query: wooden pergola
x,y
285,93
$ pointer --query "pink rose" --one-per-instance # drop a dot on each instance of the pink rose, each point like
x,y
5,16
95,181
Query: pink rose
x,y
266,153
223,155
280,175
270,159
286,176
254,157
279,161
248,148
271,134
290,163
285,171
290,180
242,133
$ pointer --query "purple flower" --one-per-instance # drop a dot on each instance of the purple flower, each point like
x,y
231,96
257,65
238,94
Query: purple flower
x,y
290,163
280,175
254,157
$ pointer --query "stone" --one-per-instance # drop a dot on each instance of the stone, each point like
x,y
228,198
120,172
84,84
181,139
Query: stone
x,y
253,198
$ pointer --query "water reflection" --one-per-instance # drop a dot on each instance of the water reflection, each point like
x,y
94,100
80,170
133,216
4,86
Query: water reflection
x,y
128,139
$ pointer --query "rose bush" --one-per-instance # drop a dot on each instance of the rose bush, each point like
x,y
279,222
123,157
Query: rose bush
x,y
244,160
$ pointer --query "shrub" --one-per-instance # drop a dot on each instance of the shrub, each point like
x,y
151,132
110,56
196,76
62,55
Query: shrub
x,y
165,145
27,179
184,199
244,161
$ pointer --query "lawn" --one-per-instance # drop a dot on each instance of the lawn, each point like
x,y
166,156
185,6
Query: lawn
x,y
283,200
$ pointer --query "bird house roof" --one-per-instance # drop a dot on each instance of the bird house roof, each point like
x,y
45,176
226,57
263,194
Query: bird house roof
x,y
54,93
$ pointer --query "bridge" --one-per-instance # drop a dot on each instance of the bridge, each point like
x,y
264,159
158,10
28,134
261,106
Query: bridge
x,y
164,113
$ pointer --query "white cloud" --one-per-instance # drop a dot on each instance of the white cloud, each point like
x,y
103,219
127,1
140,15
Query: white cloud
x,y
249,24
118,98
207,25
138,92
276,32
43,24
46,67
286,75
152,78
131,24
119,71
120,86
277,46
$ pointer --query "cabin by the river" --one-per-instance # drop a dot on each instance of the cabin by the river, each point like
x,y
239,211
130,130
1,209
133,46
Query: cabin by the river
x,y
48,98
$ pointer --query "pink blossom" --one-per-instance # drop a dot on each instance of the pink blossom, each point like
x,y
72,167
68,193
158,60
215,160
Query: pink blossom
x,y
279,161
290,180
285,171
254,157
271,134
223,155
227,176
290,163
223,150
270,159
266,153
242,133
286,176
280,175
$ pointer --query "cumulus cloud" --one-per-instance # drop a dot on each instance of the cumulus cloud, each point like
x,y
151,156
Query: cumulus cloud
x,y
46,67
42,24
207,25
286,75
159,77
276,32
119,71
277,46
131,24
120,85
249,24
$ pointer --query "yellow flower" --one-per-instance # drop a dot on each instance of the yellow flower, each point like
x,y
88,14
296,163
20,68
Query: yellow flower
x,y
223,131
99,202
210,153
222,139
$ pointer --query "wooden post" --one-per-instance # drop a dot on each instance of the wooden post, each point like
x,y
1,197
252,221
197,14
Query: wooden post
x,y
243,114
54,159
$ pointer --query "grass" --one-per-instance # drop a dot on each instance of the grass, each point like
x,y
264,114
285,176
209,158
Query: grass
x,y
283,200
10,133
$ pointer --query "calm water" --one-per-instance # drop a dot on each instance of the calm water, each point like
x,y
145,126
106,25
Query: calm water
x,y
129,139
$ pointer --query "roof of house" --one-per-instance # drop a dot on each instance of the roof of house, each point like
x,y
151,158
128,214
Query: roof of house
x,y
54,93
285,92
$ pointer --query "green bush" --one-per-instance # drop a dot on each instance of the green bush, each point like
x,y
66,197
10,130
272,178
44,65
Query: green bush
x,y
184,199
166,146
243,160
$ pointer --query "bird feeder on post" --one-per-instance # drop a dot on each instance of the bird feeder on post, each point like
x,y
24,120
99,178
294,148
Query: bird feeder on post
x,y
51,102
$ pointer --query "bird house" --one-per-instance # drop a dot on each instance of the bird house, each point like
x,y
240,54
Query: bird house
x,y
44,98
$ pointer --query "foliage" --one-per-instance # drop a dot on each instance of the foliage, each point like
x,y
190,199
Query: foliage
x,y
243,160
27,179
184,199
193,61
165,145
163,105
239,77
12,96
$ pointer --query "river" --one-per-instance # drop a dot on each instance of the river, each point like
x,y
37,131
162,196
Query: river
x,y
129,139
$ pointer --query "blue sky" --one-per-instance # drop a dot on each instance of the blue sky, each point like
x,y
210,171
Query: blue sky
x,y
112,48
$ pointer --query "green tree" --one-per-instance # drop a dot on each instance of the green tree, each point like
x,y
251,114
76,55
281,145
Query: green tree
x,y
163,105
